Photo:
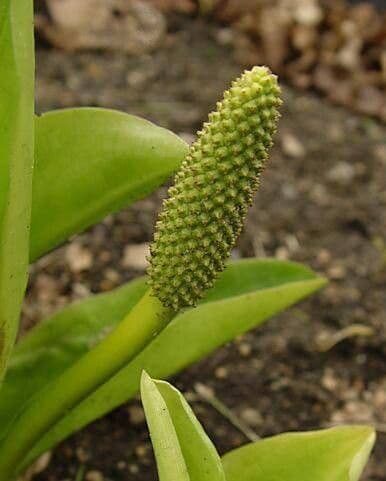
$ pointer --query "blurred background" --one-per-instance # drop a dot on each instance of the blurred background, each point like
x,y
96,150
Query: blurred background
x,y
322,202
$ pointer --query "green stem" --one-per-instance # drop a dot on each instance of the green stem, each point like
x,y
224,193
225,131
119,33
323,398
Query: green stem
x,y
136,330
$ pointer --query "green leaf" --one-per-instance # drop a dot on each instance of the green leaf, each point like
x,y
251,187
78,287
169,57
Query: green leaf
x,y
90,162
170,459
183,450
58,342
336,454
247,293
16,161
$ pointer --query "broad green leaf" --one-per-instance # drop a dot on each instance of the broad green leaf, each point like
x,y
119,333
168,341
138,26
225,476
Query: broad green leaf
x,y
16,161
90,162
58,342
335,454
207,327
247,293
182,448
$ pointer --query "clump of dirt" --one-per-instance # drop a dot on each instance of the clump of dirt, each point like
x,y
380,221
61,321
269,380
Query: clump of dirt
x,y
334,46
322,202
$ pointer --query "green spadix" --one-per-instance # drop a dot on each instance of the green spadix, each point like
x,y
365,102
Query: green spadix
x,y
206,207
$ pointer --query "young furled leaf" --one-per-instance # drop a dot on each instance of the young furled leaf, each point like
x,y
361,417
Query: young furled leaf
x,y
182,448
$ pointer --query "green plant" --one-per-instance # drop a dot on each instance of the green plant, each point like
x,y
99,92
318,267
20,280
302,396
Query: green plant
x,y
185,453
87,359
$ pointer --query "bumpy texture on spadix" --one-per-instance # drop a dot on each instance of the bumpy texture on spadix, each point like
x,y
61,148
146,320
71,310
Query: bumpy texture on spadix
x,y
207,205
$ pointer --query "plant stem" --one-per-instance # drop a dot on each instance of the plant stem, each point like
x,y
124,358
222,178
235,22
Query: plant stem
x,y
136,330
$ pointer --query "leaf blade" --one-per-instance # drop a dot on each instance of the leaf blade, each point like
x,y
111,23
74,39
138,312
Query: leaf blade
x,y
107,159
16,154
335,454
274,286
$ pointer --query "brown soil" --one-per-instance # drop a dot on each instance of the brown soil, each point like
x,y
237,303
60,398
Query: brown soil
x,y
322,202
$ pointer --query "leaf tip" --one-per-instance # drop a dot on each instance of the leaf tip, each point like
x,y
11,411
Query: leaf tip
x,y
319,282
367,436
145,381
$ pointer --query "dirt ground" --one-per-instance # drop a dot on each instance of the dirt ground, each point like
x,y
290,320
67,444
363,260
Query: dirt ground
x,y
322,202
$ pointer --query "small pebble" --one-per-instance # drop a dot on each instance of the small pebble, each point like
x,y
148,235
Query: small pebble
x,y
252,417
245,349
133,468
94,476
80,291
134,256
292,146
380,152
225,36
337,272
329,380
142,450
342,173
282,253
221,372
323,257
79,258
136,415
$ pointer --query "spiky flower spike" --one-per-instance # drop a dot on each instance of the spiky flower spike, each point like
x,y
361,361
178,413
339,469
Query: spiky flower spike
x,y
207,205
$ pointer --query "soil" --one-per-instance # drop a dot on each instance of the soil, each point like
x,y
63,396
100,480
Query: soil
x,y
322,202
